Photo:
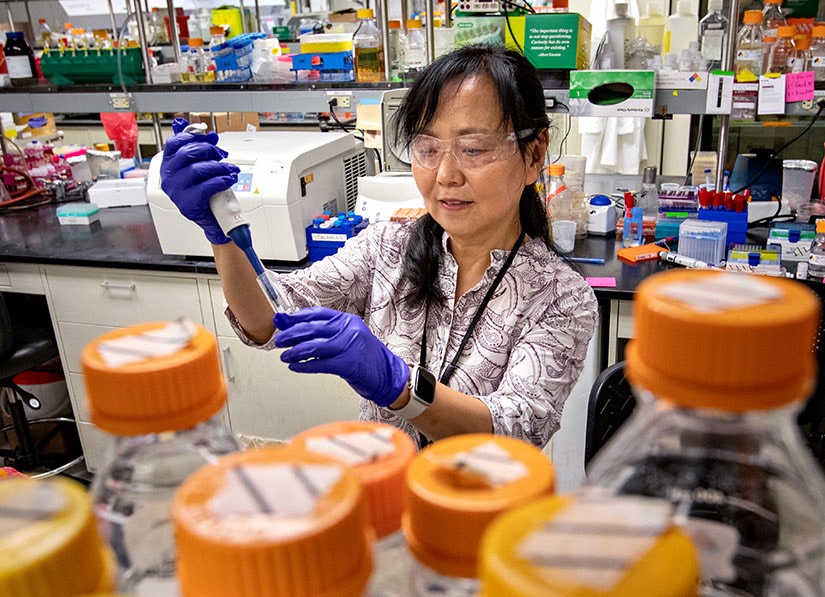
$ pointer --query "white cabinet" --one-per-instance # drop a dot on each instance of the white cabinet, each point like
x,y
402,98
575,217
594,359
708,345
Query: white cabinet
x,y
88,302
268,400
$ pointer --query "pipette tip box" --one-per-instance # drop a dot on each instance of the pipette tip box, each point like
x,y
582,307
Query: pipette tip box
x,y
703,240
323,241
78,213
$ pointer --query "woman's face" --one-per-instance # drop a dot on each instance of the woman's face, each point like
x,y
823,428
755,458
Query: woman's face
x,y
475,204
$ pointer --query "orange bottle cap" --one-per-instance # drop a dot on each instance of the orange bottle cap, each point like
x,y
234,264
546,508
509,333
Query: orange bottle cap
x,y
195,42
769,39
786,31
451,499
773,2
394,24
216,30
163,393
802,41
559,546
753,17
556,169
818,31
723,341
278,521
378,454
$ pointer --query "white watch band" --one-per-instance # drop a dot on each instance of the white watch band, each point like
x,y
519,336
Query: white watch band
x,y
415,406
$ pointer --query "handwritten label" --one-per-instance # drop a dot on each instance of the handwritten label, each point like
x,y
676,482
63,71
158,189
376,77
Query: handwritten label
x,y
799,86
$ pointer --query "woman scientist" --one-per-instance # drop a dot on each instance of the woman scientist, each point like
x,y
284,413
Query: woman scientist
x,y
464,321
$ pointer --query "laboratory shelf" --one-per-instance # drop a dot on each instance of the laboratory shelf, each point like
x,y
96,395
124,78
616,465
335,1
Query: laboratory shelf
x,y
299,97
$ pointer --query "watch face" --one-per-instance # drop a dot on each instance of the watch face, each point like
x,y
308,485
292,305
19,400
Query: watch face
x,y
425,386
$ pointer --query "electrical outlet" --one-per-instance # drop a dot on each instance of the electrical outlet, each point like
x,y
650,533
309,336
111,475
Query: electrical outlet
x,y
120,102
342,101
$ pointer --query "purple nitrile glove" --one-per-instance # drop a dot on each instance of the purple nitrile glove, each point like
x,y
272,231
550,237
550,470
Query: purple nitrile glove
x,y
322,340
191,172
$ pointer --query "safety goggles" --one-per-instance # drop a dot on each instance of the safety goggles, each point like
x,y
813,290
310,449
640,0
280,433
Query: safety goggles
x,y
470,151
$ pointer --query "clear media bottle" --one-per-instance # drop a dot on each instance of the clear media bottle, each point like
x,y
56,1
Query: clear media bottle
x,y
367,48
455,488
800,61
721,364
783,51
20,60
773,17
416,51
648,197
396,53
747,64
818,52
164,409
816,258
379,455
559,200
713,31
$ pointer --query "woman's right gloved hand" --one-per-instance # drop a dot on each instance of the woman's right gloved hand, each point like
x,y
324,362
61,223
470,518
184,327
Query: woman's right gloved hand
x,y
191,172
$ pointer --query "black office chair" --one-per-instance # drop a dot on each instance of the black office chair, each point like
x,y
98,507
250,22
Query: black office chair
x,y
611,403
27,341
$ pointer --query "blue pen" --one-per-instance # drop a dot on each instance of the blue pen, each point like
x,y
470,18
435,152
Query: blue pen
x,y
593,260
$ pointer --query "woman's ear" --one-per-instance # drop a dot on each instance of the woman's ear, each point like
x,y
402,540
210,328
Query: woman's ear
x,y
536,156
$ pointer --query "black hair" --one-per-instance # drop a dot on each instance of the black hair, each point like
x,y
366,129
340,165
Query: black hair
x,y
521,100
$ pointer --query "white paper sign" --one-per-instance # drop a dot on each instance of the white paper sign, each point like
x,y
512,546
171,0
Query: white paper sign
x,y
771,95
720,93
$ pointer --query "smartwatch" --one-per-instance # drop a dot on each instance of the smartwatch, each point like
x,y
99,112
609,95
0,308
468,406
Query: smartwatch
x,y
422,393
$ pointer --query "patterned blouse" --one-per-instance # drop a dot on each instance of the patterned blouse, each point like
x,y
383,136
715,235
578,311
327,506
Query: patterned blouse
x,y
526,352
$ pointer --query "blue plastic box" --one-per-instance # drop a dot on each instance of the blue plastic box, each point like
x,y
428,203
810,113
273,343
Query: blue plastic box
x,y
737,222
325,239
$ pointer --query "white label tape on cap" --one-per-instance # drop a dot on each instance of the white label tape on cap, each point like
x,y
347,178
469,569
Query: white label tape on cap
x,y
37,502
133,348
595,541
491,462
722,293
279,490
352,449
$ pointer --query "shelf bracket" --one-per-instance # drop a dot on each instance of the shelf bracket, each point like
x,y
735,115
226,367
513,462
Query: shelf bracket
x,y
121,102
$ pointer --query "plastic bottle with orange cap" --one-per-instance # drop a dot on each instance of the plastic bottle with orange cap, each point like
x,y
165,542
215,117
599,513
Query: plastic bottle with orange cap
x,y
379,455
588,545
721,364
455,488
158,388
279,521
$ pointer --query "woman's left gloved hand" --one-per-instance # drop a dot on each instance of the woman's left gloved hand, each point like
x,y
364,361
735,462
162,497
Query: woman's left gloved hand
x,y
322,340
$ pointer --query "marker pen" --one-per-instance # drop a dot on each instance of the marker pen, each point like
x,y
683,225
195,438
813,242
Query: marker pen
x,y
672,257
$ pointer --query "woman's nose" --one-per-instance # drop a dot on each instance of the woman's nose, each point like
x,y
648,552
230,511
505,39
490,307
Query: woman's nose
x,y
449,169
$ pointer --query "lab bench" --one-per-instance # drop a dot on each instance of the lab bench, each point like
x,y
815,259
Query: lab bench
x,y
113,273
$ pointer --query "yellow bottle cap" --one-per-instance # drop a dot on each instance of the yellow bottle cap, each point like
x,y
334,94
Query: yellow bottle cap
x,y
378,454
365,13
46,529
453,493
161,393
604,547
724,341
413,24
278,521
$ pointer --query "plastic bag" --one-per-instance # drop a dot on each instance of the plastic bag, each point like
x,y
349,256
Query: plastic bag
x,y
122,129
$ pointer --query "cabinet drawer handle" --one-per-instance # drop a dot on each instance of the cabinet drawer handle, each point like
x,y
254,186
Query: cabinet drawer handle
x,y
229,377
113,286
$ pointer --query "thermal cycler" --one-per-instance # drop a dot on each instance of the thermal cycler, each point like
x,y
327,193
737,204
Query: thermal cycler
x,y
286,179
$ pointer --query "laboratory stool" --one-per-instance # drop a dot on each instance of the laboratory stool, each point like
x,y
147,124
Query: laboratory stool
x,y
27,342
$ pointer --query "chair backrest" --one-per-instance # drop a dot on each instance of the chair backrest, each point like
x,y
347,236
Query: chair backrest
x,y
6,332
611,403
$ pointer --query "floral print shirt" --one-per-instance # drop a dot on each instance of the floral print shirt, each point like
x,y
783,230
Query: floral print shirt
x,y
524,356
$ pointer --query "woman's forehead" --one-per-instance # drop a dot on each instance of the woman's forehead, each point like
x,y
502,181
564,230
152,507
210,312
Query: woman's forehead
x,y
467,105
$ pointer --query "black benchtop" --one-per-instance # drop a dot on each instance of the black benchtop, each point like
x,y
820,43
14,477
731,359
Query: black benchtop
x,y
125,238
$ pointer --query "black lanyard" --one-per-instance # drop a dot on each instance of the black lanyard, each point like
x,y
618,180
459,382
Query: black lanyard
x,y
448,372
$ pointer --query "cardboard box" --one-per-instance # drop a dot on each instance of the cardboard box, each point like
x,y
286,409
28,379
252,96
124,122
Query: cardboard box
x,y
226,121
38,124
668,78
555,40
612,93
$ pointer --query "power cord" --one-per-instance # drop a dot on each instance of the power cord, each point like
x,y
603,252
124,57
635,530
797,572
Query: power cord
x,y
332,103
567,132
695,149
821,104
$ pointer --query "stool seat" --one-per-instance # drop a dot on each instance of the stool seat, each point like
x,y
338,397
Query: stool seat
x,y
33,345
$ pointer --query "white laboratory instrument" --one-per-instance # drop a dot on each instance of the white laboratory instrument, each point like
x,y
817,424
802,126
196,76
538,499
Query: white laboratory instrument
x,y
379,196
286,179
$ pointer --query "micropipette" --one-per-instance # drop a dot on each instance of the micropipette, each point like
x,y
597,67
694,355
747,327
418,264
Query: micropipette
x,y
227,211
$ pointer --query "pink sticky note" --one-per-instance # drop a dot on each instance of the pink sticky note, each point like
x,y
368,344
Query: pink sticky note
x,y
601,282
799,86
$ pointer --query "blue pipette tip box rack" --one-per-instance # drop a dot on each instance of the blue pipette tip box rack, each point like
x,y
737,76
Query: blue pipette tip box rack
x,y
324,240
737,222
